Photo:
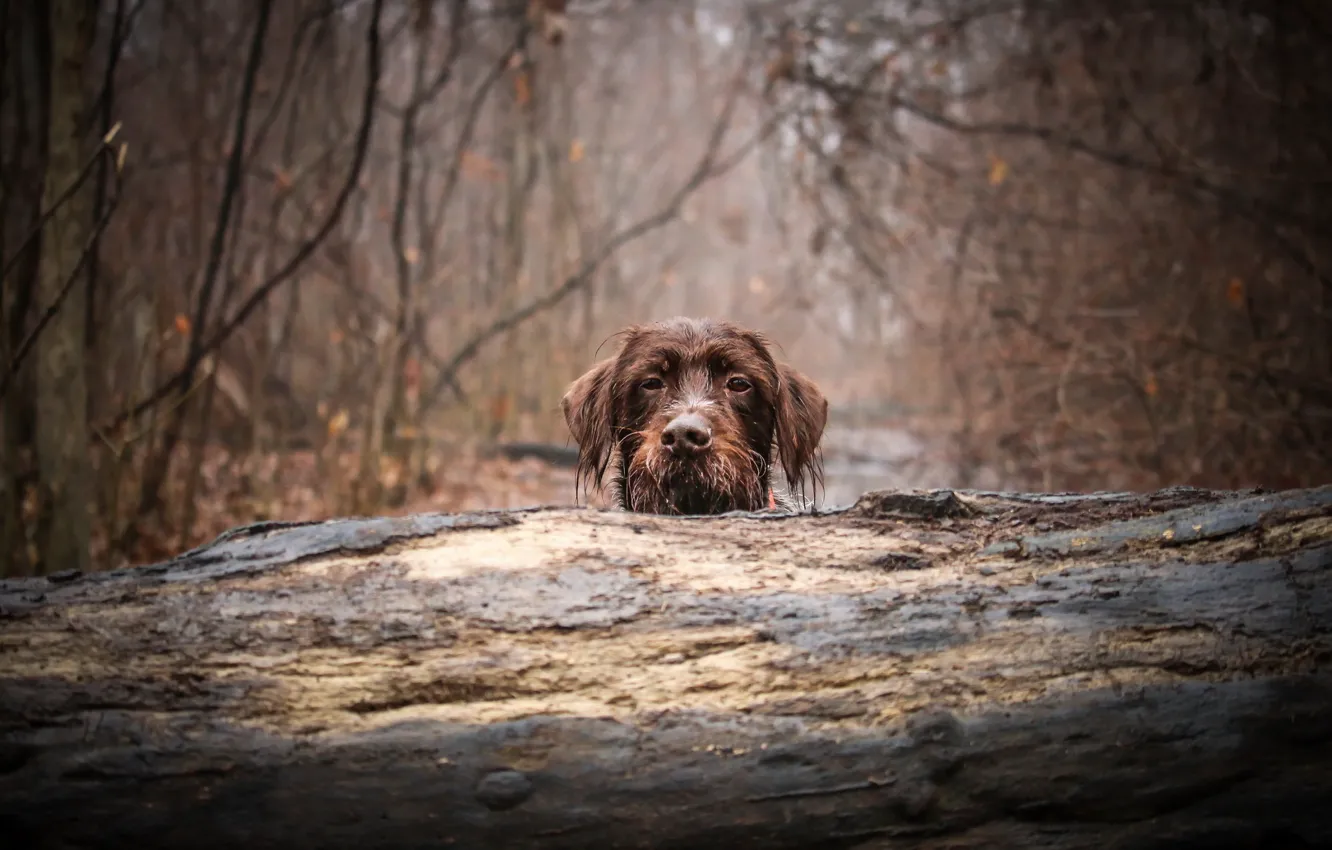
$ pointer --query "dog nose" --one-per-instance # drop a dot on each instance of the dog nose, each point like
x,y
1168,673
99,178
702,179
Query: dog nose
x,y
686,435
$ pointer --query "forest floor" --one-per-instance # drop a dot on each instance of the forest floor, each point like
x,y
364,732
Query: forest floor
x,y
294,486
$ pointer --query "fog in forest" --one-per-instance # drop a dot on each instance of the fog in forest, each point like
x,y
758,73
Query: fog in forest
x,y
293,260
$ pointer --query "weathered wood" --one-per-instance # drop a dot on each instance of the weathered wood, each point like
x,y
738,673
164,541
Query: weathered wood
x,y
924,670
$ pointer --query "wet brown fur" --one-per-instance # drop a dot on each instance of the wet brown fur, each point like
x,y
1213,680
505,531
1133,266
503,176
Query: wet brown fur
x,y
617,412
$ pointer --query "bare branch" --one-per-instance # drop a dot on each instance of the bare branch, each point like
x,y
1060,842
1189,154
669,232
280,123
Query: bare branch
x,y
84,173
89,250
228,327
709,166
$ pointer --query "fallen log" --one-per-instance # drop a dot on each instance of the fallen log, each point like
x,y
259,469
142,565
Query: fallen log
x,y
923,670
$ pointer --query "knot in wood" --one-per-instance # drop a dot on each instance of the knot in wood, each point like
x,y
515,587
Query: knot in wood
x,y
935,727
928,504
500,790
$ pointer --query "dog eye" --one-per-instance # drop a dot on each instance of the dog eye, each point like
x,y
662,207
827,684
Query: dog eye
x,y
652,384
738,385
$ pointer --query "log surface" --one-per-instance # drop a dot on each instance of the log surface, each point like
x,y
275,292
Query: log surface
x,y
923,670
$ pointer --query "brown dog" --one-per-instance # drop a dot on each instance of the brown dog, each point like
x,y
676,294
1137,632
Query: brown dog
x,y
691,411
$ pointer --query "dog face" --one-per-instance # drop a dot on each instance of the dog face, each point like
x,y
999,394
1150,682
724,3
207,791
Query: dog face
x,y
692,412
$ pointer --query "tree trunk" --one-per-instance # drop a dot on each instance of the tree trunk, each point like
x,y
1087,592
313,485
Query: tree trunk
x,y
923,670
24,106
62,415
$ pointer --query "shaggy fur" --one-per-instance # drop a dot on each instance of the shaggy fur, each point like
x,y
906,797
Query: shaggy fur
x,y
692,414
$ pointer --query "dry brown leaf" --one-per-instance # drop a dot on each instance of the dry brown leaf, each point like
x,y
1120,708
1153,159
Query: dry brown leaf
x,y
1235,292
522,89
338,423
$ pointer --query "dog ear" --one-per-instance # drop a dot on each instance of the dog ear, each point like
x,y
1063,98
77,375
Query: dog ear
x,y
590,416
802,413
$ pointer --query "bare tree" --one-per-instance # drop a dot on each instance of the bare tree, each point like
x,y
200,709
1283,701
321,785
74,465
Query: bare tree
x,y
1096,222
350,247
61,386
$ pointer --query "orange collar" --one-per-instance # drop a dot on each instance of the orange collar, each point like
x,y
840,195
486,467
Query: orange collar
x,y
772,500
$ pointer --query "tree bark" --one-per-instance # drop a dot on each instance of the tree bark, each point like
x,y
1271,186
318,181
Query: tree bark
x,y
61,386
923,670
26,83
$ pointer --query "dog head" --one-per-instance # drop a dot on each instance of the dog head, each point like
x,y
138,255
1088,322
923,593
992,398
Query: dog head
x,y
694,413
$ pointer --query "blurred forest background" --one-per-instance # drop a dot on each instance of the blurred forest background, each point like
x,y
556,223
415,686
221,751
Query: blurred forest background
x,y
296,259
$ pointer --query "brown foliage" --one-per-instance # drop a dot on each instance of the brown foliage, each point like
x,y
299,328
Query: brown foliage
x,y
1103,227
1074,245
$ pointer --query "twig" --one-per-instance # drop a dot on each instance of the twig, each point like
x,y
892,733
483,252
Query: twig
x,y
89,246
118,450
279,277
469,125
106,106
230,189
708,167
84,173
151,486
